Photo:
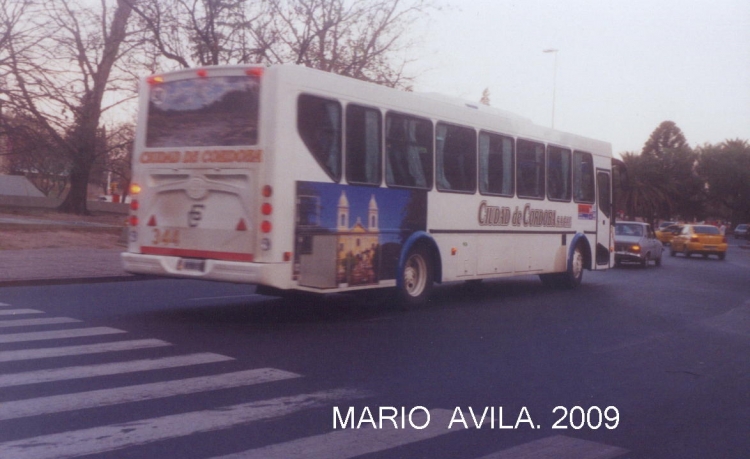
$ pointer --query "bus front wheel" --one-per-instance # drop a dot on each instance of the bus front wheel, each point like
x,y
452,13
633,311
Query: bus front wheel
x,y
574,275
416,277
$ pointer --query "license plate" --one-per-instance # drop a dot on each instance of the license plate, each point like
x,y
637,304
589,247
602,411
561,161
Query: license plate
x,y
190,264
709,247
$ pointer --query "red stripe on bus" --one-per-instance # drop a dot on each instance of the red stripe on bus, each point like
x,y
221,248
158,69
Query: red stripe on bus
x,y
228,256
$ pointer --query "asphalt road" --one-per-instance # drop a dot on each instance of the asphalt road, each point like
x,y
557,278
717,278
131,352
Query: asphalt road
x,y
636,363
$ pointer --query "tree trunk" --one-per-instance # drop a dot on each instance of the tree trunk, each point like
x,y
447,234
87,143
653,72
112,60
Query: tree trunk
x,y
75,201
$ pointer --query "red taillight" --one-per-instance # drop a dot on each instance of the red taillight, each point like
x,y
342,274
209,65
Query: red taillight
x,y
152,221
267,191
203,73
134,204
265,226
266,209
287,256
133,220
241,226
256,72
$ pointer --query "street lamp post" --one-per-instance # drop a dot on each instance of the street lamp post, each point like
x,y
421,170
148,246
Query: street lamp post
x,y
554,83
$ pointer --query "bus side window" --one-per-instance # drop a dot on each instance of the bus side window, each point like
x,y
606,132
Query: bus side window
x,y
558,174
583,177
363,145
319,125
456,158
408,151
496,160
530,169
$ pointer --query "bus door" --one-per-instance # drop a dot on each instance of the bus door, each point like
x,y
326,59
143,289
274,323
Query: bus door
x,y
604,219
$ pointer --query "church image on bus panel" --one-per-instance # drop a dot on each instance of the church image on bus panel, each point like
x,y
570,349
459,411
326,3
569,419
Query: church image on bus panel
x,y
352,235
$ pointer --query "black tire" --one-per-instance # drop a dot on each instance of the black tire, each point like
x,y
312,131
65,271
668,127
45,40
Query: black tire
x,y
573,277
686,252
644,262
657,262
672,252
416,278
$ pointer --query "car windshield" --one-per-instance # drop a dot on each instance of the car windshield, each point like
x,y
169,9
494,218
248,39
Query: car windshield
x,y
741,227
706,230
624,229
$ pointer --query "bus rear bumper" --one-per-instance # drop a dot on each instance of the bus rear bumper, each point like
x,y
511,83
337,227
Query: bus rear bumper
x,y
219,270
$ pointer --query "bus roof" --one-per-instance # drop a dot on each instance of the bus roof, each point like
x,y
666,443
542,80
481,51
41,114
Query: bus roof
x,y
429,105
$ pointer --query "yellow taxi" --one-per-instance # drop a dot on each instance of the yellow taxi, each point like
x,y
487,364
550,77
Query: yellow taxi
x,y
704,239
666,233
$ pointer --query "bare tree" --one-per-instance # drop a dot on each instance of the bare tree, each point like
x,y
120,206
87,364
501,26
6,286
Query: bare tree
x,y
364,39
200,32
58,64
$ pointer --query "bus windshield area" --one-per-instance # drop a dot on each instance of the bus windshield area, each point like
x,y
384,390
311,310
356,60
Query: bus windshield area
x,y
201,112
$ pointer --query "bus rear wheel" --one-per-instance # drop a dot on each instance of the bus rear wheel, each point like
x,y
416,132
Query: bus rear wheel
x,y
416,277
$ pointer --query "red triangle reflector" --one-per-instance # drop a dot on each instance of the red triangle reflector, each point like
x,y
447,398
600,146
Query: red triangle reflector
x,y
152,221
242,226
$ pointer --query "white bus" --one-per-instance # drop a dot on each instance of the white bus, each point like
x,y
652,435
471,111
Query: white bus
x,y
295,179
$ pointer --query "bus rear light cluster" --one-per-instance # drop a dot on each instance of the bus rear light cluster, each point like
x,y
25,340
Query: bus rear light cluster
x,y
133,220
266,209
134,204
255,72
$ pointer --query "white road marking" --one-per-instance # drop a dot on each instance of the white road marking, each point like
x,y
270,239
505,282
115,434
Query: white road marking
x,y
559,447
138,393
89,371
31,354
13,312
32,322
4,305
113,437
58,334
349,443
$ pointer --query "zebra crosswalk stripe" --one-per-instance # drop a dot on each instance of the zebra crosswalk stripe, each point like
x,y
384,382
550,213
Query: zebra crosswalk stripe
x,y
88,371
113,437
13,312
33,322
139,393
63,351
58,334
349,443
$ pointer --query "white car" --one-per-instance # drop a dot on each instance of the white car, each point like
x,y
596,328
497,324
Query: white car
x,y
637,242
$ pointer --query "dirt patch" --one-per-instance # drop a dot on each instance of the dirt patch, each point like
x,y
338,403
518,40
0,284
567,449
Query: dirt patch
x,y
28,230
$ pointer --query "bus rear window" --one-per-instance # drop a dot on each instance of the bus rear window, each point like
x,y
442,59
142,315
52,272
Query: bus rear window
x,y
215,111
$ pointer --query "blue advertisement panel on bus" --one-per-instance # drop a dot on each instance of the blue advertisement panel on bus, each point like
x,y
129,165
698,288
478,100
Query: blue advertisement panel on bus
x,y
349,236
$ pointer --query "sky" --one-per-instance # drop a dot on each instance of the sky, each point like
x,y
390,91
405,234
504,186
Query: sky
x,y
621,67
